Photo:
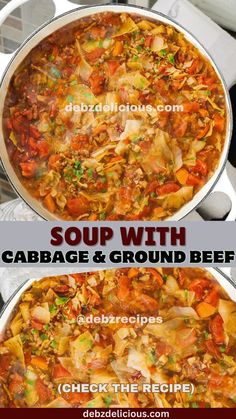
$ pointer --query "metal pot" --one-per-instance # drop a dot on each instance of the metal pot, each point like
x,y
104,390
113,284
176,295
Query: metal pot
x,y
223,278
67,12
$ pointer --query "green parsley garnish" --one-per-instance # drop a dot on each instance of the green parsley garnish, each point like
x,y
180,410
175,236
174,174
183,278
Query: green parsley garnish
x,y
163,53
52,309
61,300
102,216
107,400
43,336
171,58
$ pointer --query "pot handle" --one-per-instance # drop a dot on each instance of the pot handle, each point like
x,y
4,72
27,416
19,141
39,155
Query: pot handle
x,y
61,6
224,186
220,45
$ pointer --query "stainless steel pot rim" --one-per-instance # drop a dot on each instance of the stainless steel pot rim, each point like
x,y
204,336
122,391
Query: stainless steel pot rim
x,y
201,195
217,273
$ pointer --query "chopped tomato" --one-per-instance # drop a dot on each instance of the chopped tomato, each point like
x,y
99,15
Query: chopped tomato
x,y
212,297
42,390
200,168
167,188
79,278
113,65
194,67
36,325
79,142
95,54
186,337
158,278
77,398
96,81
28,169
152,186
194,180
123,287
5,360
212,348
180,126
53,161
97,32
60,372
43,149
148,41
16,384
199,285
203,132
61,289
34,132
217,329
144,302
77,206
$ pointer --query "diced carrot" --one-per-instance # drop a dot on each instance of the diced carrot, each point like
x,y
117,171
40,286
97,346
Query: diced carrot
x,y
157,276
49,203
28,169
217,329
167,188
133,272
205,310
123,288
39,362
60,372
203,112
219,123
182,176
99,129
118,48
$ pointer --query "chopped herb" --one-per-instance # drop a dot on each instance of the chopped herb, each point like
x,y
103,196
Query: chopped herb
x,y
53,344
163,53
69,98
55,72
206,92
152,356
30,382
52,309
73,82
153,195
171,359
103,179
142,40
34,331
195,405
222,348
102,216
165,277
205,334
43,336
61,300
107,400
46,327
171,58
78,170
110,174
234,399
51,57
100,44
90,172
139,48
135,58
